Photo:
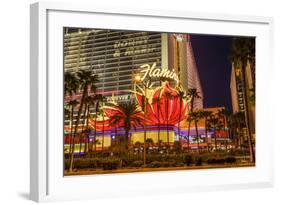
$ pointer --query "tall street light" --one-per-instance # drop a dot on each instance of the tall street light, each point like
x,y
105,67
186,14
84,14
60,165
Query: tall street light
x,y
178,38
139,81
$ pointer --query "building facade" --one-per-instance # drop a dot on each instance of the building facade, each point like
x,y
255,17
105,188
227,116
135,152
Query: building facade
x,y
117,56
236,88
237,93
181,58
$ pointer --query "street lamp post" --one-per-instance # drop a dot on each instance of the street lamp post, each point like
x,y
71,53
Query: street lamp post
x,y
144,145
178,39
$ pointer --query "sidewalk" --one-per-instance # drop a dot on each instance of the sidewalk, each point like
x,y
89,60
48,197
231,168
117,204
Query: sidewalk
x,y
133,170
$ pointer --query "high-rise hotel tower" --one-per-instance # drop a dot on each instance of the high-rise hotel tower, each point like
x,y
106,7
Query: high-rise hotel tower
x,y
116,56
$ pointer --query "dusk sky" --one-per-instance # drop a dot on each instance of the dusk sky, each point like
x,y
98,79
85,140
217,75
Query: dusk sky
x,y
211,54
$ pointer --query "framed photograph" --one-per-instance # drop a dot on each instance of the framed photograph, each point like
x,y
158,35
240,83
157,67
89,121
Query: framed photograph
x,y
130,102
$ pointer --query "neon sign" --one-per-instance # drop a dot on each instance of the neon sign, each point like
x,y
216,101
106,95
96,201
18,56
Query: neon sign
x,y
134,46
152,71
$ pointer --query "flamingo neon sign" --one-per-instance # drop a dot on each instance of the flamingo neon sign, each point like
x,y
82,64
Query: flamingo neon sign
x,y
152,71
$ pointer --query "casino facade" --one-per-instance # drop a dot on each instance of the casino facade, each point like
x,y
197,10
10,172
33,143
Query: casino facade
x,y
117,57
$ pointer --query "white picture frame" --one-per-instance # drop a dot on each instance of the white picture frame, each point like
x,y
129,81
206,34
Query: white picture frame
x,y
47,182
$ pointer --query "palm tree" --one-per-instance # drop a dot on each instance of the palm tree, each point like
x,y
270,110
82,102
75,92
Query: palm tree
x,y
243,53
98,98
208,128
129,114
167,96
87,132
71,83
192,94
230,125
70,88
87,80
239,123
223,115
67,115
181,96
216,125
196,116
158,101
102,100
72,104
95,116
90,102
85,122
206,115
102,141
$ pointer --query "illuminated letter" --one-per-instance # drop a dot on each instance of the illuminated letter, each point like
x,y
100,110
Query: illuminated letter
x,y
151,69
156,73
145,71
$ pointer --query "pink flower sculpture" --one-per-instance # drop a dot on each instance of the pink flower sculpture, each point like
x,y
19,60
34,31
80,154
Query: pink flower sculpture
x,y
166,106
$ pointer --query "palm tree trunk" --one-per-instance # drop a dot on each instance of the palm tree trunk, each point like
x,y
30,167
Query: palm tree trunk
x,y
189,122
71,130
115,133
228,135
179,122
247,118
95,133
239,136
144,136
197,136
97,107
215,134
82,129
102,146
188,133
167,125
87,141
224,129
206,134
76,126
126,138
158,113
